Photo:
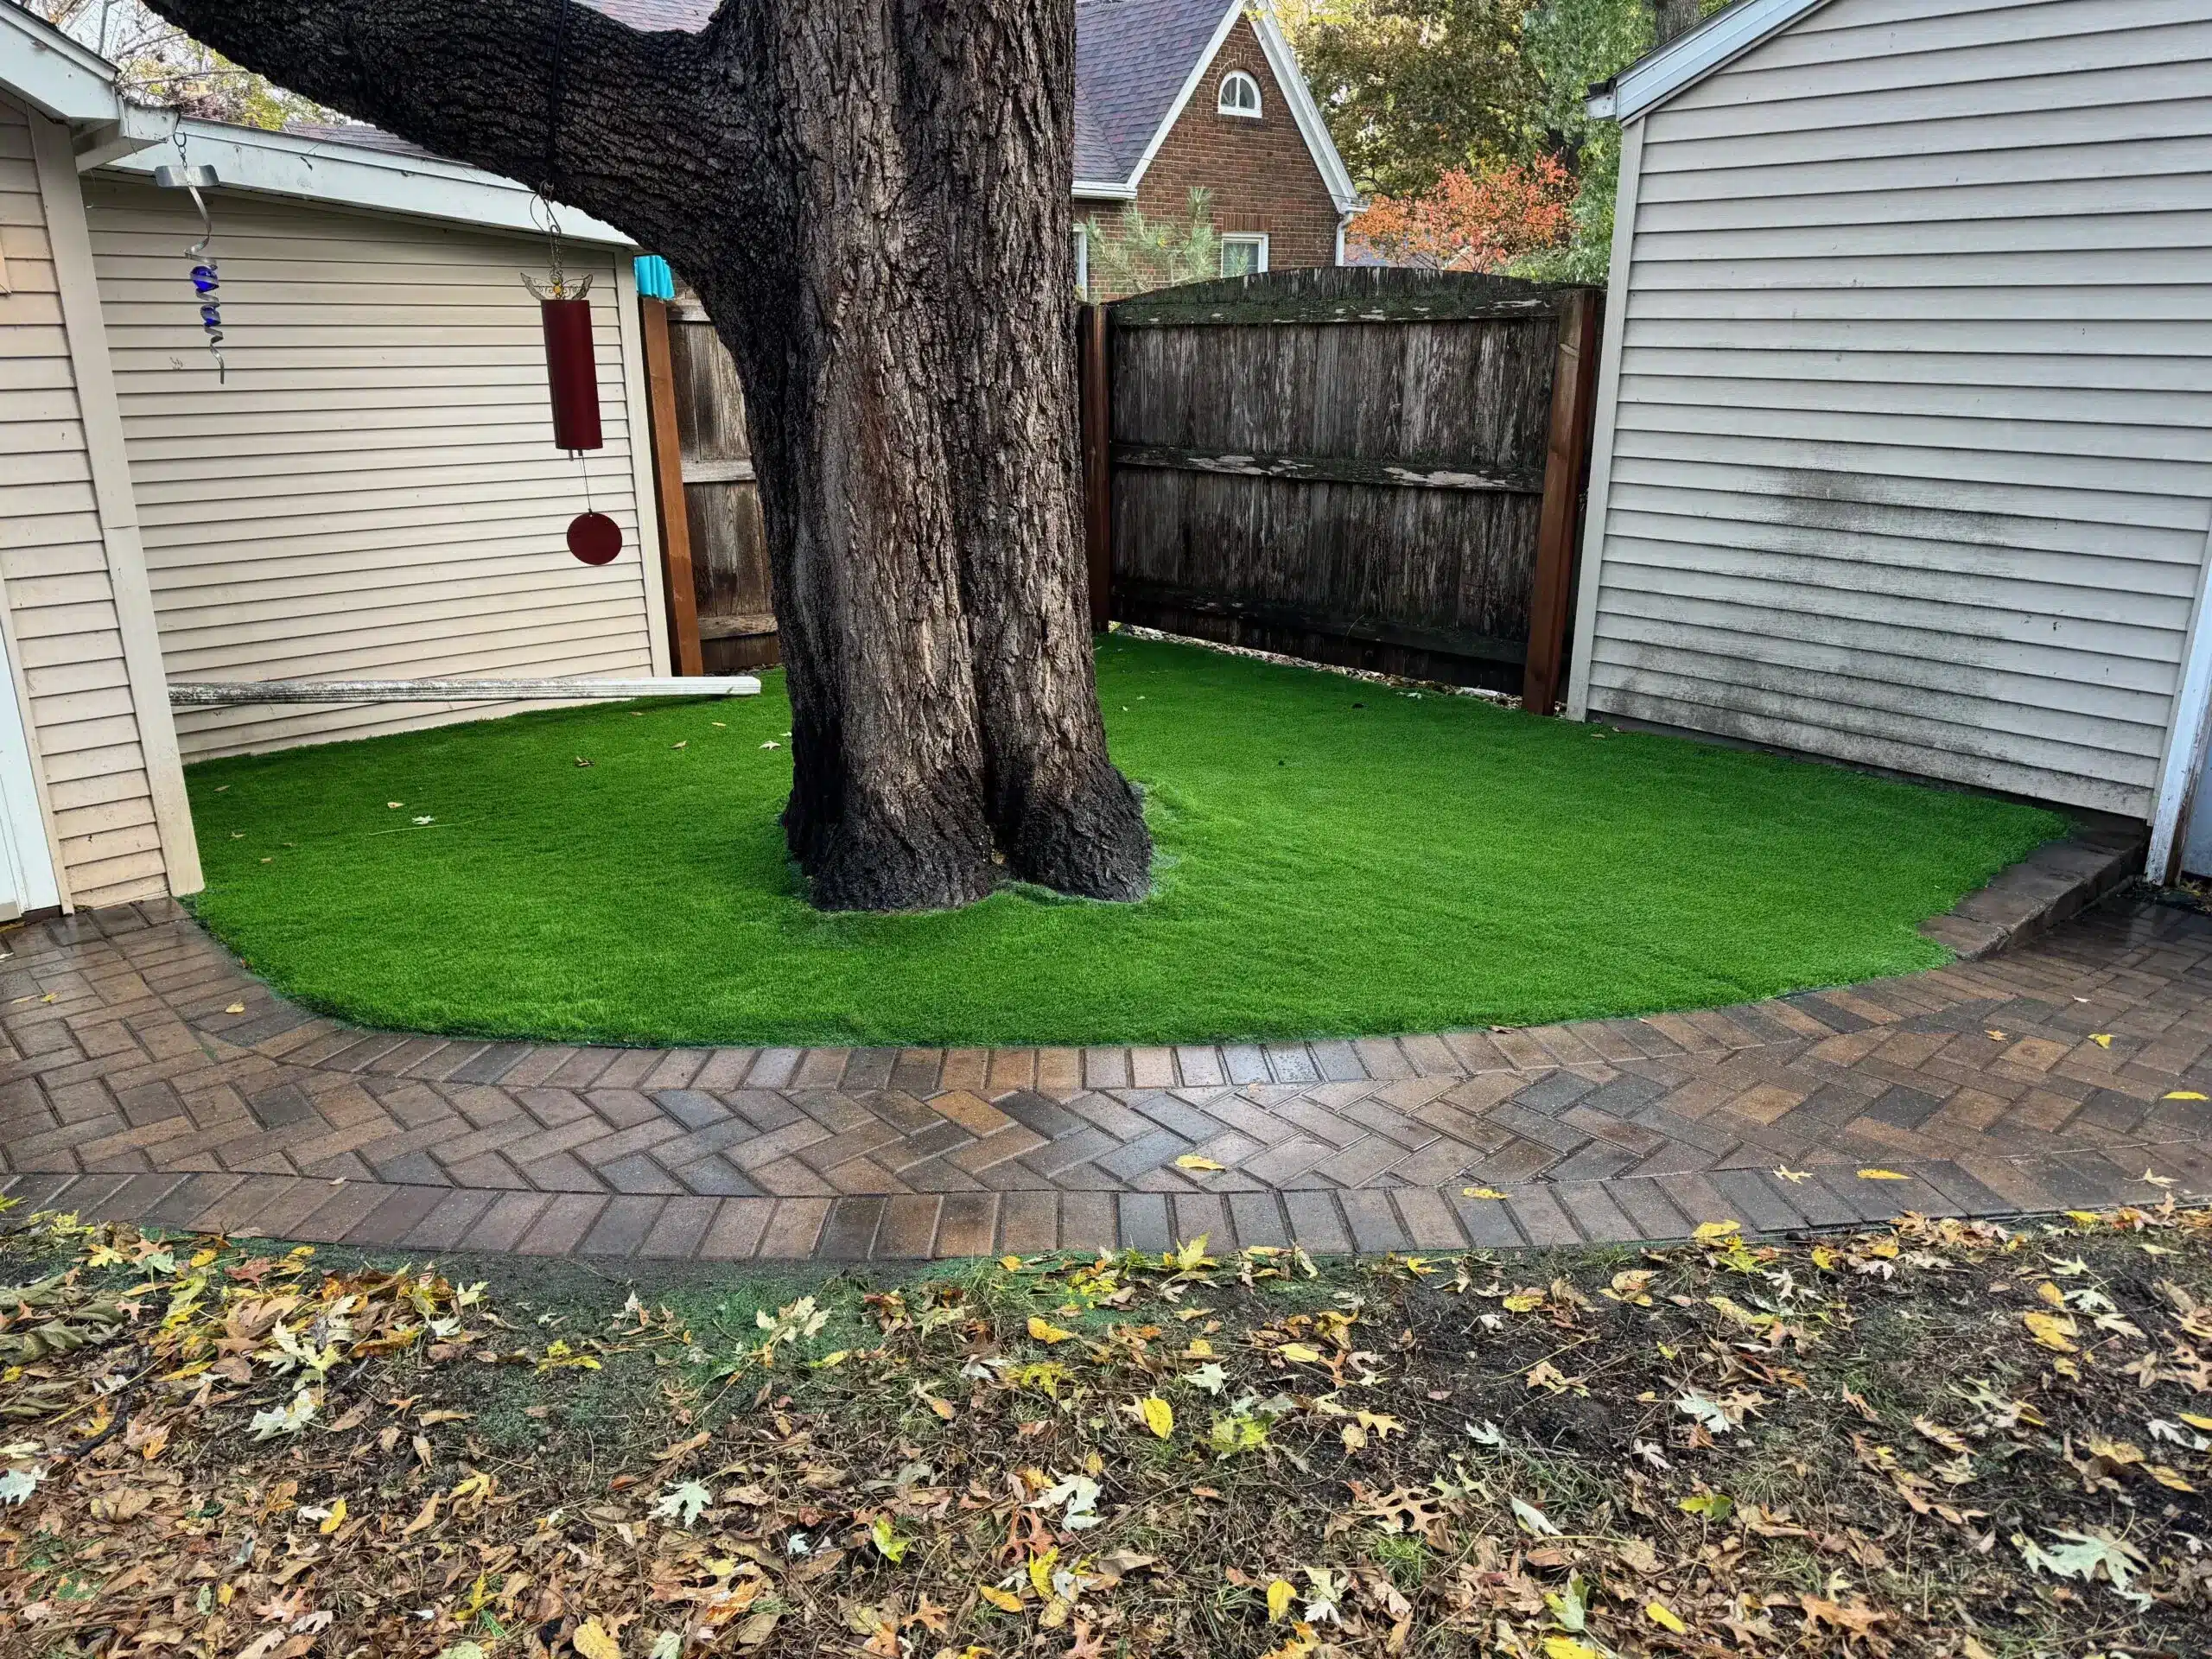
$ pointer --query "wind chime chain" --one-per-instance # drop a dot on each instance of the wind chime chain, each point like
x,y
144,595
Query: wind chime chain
x,y
570,359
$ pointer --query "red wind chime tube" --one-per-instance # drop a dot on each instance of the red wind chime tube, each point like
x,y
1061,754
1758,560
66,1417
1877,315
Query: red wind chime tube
x,y
573,372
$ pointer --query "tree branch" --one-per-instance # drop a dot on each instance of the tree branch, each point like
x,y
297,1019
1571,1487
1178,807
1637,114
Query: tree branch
x,y
475,80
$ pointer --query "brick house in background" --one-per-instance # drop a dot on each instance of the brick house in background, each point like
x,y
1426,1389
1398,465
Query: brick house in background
x,y
1173,96
1177,95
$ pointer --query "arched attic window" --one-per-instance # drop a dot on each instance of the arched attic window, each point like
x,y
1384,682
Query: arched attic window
x,y
1239,95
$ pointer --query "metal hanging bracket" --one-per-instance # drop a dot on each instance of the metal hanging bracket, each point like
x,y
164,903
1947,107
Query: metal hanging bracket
x,y
205,277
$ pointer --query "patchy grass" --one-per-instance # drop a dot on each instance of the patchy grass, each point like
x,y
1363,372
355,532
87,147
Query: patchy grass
x,y
1335,857
1944,1439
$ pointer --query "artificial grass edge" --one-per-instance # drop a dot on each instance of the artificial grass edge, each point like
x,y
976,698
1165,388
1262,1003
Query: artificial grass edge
x,y
1682,978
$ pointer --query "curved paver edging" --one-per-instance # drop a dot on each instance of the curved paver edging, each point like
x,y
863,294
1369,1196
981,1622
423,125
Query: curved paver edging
x,y
153,1079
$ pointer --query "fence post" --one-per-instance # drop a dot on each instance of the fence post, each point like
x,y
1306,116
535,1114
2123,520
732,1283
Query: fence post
x,y
668,479
1095,393
1575,386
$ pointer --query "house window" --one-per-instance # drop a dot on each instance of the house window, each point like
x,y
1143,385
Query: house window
x,y
1243,255
1239,95
1082,262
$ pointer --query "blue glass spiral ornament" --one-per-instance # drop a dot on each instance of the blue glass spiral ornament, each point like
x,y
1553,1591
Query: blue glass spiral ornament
x,y
205,278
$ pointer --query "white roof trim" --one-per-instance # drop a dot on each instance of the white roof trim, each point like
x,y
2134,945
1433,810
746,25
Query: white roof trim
x,y
55,76
1190,88
1289,77
1100,190
1721,38
352,176
52,73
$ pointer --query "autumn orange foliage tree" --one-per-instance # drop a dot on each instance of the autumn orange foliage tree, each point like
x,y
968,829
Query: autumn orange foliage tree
x,y
1470,221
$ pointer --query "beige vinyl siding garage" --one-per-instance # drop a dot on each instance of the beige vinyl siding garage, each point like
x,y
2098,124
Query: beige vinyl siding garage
x,y
1910,460
64,634
375,493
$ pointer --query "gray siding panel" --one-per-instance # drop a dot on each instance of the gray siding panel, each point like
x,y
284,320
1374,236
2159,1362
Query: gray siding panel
x,y
1911,462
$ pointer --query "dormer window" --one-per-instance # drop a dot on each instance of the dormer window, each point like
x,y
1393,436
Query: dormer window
x,y
1239,95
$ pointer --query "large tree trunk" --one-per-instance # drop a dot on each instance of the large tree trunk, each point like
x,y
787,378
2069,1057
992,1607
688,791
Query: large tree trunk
x,y
871,197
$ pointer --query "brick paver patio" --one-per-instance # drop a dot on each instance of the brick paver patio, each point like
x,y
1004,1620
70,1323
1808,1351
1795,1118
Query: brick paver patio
x,y
134,1087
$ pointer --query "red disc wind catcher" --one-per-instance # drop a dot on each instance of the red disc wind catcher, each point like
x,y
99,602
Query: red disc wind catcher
x,y
572,378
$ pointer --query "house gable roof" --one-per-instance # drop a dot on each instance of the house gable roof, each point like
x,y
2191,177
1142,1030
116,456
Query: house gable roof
x,y
1688,59
1137,64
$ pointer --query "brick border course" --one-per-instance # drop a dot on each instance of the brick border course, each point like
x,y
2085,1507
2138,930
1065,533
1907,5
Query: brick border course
x,y
2035,1080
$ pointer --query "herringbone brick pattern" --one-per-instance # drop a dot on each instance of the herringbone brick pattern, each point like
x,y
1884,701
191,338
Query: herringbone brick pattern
x,y
147,1075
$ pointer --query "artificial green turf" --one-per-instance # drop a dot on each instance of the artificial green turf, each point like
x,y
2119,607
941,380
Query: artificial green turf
x,y
1334,857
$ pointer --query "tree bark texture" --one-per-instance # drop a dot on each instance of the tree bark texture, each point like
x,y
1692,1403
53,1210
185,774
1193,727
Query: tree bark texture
x,y
1677,17
870,198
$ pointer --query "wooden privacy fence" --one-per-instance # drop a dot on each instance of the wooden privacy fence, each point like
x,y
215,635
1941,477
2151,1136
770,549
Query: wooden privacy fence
x,y
1382,469
721,612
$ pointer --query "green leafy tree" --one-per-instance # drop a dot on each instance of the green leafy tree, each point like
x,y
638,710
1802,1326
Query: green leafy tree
x,y
1132,254
1572,45
1414,89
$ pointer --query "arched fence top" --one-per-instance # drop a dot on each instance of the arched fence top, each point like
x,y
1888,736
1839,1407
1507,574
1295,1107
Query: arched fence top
x,y
1341,294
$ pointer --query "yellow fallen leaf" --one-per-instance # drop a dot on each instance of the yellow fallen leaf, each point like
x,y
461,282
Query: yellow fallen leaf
x,y
2053,1331
235,1007
1005,1600
2194,1420
1665,1617
1709,1230
1795,1177
1280,1596
1040,1572
1882,1175
1159,1415
2183,1094
1996,1036
2101,1038
2167,1477
1011,1263
1044,1331
592,1641
1566,1647
334,1520
1300,1353
1199,1349
1191,1160
1480,1192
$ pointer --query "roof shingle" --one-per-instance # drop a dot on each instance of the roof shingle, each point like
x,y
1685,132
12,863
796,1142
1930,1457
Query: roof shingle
x,y
1131,58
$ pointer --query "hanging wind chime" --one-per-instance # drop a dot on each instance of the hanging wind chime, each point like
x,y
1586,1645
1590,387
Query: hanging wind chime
x,y
571,366
205,278
572,373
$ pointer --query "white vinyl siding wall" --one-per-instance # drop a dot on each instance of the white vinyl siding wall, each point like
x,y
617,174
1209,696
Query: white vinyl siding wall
x,y
375,493
1911,457
64,634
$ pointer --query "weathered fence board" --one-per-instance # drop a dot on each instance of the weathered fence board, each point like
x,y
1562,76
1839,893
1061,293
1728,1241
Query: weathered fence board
x,y
1351,465
1382,469
729,555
